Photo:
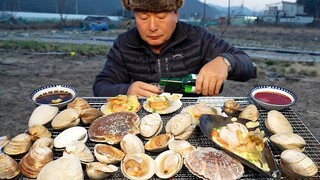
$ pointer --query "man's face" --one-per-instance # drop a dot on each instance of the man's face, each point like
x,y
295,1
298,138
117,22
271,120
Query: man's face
x,y
156,28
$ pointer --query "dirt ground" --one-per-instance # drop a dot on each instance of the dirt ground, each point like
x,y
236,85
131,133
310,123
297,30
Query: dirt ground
x,y
21,73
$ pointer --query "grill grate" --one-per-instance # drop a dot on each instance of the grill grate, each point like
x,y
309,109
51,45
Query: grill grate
x,y
197,139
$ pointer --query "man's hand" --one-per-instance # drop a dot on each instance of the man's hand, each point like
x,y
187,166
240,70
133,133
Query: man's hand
x,y
211,77
143,89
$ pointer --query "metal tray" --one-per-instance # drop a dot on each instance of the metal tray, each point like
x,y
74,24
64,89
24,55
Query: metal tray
x,y
197,139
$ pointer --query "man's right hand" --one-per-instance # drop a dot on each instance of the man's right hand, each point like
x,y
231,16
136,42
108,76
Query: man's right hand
x,y
143,89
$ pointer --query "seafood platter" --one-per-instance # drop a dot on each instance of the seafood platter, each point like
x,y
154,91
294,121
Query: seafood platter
x,y
161,137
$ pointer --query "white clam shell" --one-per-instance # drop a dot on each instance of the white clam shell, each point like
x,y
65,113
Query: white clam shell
x,y
159,143
178,124
67,136
182,147
168,163
80,150
187,133
276,123
43,142
108,154
131,144
286,141
98,170
250,112
42,115
18,144
9,168
150,125
66,118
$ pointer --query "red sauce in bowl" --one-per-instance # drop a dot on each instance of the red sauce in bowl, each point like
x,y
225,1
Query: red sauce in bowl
x,y
273,98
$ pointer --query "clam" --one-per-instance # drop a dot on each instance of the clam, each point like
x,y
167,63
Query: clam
x,y
250,112
31,164
286,141
65,167
295,164
150,125
179,123
89,115
18,144
159,143
80,150
131,144
98,170
168,164
182,147
43,142
187,133
138,166
38,131
202,108
69,135
42,115
232,107
209,163
9,168
65,119
79,104
276,123
108,154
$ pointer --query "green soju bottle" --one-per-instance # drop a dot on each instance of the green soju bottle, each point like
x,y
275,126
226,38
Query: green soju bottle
x,y
187,83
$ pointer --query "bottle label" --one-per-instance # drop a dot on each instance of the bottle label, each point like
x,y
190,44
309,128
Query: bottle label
x,y
190,89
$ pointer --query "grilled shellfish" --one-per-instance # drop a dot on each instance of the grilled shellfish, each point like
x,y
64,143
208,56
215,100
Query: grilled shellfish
x,y
276,123
98,170
18,144
286,141
42,115
9,168
108,154
168,163
150,125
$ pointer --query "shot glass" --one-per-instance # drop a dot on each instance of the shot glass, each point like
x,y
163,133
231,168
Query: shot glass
x,y
160,87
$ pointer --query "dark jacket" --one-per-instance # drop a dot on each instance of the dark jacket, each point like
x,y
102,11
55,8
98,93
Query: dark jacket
x,y
190,47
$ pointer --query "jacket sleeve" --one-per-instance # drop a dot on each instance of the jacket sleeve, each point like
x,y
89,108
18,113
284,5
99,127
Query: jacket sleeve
x,y
242,67
113,79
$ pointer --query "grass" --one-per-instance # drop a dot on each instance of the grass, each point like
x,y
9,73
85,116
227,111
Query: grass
x,y
35,46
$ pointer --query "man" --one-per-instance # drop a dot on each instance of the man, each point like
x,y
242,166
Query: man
x,y
162,46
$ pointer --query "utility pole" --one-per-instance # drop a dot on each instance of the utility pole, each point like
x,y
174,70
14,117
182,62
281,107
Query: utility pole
x,y
204,13
76,6
228,19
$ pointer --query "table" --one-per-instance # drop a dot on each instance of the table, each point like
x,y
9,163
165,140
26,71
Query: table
x,y
312,148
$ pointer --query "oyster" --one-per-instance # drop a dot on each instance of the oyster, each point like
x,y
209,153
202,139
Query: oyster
x,y
295,164
131,144
276,123
168,163
18,144
111,128
138,166
9,168
250,112
202,108
43,142
209,163
150,125
98,170
108,154
31,164
121,103
65,167
89,115
38,131
286,141
79,104
65,119
42,115
182,147
80,150
69,135
159,143
232,107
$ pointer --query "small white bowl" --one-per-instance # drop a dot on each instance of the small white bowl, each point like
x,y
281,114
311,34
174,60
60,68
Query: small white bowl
x,y
54,95
275,91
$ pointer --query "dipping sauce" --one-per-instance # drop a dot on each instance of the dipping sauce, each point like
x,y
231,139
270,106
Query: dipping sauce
x,y
54,97
273,98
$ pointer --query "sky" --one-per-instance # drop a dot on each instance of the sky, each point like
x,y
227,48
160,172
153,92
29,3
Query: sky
x,y
255,5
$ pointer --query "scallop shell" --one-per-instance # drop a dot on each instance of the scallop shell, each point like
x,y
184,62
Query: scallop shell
x,y
209,163
43,142
286,141
296,164
178,124
182,147
9,168
65,119
98,170
89,115
65,167
31,164
138,166
131,144
38,131
168,163
174,104
18,144
276,123
67,136
150,125
108,154
42,115
79,104
250,112
159,143
80,150
121,103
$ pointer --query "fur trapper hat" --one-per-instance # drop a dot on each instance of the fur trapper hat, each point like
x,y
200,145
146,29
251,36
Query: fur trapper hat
x,y
152,5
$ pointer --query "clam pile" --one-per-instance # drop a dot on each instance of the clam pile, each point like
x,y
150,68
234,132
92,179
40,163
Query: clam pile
x,y
142,147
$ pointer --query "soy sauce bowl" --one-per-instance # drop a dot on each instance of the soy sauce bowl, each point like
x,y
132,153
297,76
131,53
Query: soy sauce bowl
x,y
54,95
272,97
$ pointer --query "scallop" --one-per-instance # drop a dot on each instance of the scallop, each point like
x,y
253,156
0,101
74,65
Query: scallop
x,y
38,131
276,123
138,166
18,145
42,115
182,147
80,150
131,144
108,154
69,135
250,112
158,143
168,164
9,168
150,125
98,170
65,119
296,164
286,141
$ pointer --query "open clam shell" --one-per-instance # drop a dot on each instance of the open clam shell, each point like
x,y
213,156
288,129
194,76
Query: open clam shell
x,y
209,122
168,163
69,135
108,154
98,170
